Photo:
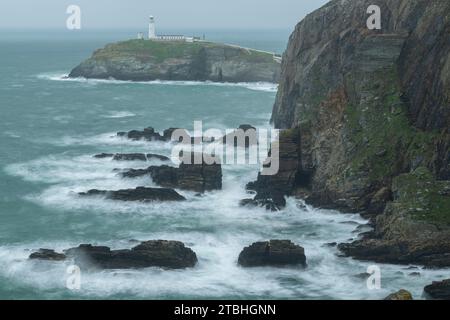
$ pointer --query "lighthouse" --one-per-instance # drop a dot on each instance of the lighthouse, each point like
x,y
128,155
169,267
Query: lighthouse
x,y
151,28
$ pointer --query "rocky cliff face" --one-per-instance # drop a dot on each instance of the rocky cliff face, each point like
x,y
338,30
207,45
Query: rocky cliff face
x,y
370,105
143,60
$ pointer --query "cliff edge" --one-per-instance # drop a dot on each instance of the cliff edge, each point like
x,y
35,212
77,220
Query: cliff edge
x,y
145,60
370,110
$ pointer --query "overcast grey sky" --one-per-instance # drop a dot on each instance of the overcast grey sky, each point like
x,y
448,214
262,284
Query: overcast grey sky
x,y
248,14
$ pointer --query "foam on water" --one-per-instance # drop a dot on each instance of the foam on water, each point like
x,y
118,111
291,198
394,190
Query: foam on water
x,y
257,86
120,114
213,225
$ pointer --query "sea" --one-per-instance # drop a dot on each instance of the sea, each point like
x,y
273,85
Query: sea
x,y
50,128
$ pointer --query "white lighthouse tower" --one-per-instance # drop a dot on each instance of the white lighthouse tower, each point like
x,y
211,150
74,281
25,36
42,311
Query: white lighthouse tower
x,y
151,28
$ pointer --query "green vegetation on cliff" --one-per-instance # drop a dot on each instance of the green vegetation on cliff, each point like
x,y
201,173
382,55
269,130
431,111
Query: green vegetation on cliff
x,y
158,51
147,60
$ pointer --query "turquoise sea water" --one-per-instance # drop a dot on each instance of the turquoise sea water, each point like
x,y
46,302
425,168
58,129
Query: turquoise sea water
x,y
51,127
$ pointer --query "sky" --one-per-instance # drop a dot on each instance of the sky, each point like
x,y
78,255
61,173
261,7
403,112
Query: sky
x,y
169,14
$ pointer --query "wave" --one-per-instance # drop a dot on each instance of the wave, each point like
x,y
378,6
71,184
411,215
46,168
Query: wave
x,y
256,86
119,114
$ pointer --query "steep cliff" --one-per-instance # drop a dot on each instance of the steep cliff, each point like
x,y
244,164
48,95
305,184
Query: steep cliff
x,y
368,106
144,60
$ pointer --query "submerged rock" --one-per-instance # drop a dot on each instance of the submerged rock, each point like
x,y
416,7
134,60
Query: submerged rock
x,y
155,253
104,155
47,254
400,295
130,157
439,290
273,253
139,194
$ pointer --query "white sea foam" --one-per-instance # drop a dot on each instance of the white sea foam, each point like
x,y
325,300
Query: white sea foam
x,y
119,114
257,86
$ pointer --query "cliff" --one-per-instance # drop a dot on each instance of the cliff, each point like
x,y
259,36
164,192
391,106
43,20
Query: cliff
x,y
371,112
144,60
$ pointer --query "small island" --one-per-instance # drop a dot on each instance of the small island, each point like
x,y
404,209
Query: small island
x,y
179,58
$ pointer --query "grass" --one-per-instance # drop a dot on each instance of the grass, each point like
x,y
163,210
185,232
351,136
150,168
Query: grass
x,y
158,51
420,195
382,134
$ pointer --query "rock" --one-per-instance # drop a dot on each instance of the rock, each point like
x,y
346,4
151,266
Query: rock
x,y
192,177
130,157
365,108
438,290
271,189
151,156
379,200
163,254
104,155
148,134
199,177
47,254
138,60
273,253
400,295
273,202
250,137
139,194
331,244
405,235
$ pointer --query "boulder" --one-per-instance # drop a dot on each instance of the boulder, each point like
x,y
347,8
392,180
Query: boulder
x,y
439,290
104,155
192,177
400,295
139,194
155,253
275,253
130,157
273,202
47,254
148,134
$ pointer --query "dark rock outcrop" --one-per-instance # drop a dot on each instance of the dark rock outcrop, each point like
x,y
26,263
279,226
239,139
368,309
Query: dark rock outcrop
x,y
415,227
104,155
439,290
47,254
144,60
271,189
139,194
273,253
371,117
130,157
365,107
156,253
400,295
193,177
148,134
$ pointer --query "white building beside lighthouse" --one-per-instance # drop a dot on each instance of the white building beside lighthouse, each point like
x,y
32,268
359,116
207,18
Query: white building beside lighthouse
x,y
165,37
152,29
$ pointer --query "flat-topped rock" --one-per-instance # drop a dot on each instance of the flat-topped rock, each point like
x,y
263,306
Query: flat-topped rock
x,y
139,194
155,253
144,60
47,254
274,253
438,290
